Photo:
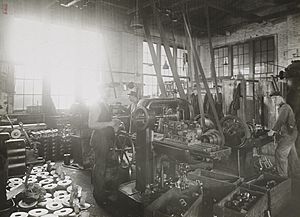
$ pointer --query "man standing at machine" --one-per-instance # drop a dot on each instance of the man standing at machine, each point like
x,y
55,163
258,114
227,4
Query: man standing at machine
x,y
133,98
286,135
102,140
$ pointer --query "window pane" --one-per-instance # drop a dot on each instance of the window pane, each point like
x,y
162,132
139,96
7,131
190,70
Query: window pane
x,y
271,67
220,63
221,71
271,44
257,68
19,86
28,100
264,45
19,72
241,60
28,87
226,51
246,59
264,57
241,49
38,87
235,70
270,56
234,50
257,57
235,60
37,100
246,70
257,46
18,102
246,48
148,69
221,52
226,71
216,53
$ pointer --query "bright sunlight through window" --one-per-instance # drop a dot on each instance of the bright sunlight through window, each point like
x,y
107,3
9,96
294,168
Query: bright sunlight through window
x,y
68,58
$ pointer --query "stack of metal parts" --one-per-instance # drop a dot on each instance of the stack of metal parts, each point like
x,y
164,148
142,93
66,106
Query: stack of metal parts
x,y
52,144
241,202
47,190
3,169
16,156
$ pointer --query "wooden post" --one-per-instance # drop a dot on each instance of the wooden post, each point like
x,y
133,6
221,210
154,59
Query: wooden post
x,y
211,51
156,63
169,55
200,101
200,69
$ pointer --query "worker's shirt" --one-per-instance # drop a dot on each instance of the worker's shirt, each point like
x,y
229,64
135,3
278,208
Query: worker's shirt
x,y
103,114
285,123
131,109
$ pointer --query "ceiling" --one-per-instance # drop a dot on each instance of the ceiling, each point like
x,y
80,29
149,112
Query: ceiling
x,y
224,15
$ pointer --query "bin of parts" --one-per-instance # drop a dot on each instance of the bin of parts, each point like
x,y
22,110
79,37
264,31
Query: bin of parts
x,y
215,187
177,202
242,202
279,190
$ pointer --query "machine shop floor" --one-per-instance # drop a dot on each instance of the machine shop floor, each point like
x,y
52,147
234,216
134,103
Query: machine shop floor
x,y
83,179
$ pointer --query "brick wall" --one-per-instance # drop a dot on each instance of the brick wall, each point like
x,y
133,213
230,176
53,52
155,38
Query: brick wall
x,y
285,30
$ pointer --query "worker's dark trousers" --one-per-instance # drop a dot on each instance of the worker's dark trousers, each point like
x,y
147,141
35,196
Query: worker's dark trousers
x,y
102,143
286,155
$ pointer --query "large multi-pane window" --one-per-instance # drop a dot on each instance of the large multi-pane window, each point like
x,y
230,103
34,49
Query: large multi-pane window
x,y
28,87
150,82
241,59
222,61
34,47
264,57
151,87
255,57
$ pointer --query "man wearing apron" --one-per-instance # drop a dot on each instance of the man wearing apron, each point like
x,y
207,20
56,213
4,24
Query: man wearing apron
x,y
286,129
102,140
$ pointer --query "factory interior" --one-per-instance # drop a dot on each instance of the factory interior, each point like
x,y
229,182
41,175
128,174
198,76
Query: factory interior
x,y
149,108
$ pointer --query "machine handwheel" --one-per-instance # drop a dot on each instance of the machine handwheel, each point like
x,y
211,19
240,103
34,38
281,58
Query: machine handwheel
x,y
235,131
141,118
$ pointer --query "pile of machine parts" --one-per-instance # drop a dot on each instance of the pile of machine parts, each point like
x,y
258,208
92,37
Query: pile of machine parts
x,y
47,190
264,164
178,200
178,206
267,183
242,201
190,133
163,183
52,144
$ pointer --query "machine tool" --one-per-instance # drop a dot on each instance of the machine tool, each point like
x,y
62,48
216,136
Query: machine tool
x,y
242,137
168,141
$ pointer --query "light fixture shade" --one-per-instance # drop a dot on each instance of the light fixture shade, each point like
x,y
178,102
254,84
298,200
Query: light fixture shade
x,y
166,66
136,22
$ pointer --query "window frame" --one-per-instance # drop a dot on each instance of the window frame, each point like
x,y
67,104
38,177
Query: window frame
x,y
251,54
161,59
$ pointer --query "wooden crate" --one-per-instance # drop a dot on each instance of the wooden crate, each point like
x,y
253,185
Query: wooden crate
x,y
218,176
214,190
257,210
279,196
153,209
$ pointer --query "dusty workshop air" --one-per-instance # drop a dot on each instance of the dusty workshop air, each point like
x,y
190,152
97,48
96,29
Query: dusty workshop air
x,y
149,108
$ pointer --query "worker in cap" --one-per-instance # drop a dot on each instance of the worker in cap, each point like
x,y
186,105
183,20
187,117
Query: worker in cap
x,y
104,127
133,98
285,131
194,100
